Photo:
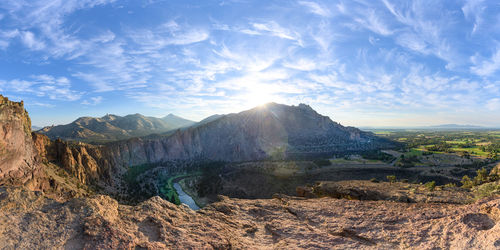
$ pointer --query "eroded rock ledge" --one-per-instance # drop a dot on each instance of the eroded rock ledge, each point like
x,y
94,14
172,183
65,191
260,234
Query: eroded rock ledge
x,y
27,220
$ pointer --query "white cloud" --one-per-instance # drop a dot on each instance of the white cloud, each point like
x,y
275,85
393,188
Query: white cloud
x,y
493,104
301,64
93,101
486,67
30,41
44,86
274,29
374,23
473,10
315,8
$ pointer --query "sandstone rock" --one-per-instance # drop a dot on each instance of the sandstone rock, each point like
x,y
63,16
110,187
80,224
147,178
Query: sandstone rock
x,y
17,153
100,222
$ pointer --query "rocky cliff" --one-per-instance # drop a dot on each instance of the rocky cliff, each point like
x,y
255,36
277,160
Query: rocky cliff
x,y
18,157
88,163
270,131
34,161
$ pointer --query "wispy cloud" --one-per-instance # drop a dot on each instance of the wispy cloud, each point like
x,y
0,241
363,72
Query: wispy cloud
x,y
31,41
93,101
385,57
316,8
473,10
486,66
55,88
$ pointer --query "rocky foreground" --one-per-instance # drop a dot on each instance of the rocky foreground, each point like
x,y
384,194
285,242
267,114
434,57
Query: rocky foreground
x,y
46,201
30,221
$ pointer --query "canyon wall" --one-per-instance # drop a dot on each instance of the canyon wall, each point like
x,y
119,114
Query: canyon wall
x,y
18,156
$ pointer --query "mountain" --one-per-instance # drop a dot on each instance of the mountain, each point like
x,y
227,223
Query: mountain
x,y
176,121
455,126
113,127
44,181
35,128
209,119
268,131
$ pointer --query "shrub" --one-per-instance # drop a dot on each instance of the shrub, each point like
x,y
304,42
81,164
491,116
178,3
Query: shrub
x,y
391,178
322,162
450,185
430,185
481,177
487,190
466,182
374,180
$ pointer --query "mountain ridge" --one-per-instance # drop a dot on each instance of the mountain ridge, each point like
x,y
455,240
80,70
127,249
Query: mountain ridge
x,y
113,127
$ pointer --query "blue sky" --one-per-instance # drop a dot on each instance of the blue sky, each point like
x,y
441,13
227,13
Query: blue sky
x,y
363,63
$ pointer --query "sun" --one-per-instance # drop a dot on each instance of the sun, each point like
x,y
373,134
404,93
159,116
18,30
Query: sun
x,y
258,99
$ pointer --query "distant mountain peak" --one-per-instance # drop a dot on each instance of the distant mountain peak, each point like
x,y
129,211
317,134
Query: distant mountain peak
x,y
177,121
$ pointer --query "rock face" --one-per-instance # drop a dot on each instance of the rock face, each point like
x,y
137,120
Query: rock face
x,y
113,127
88,163
32,160
271,131
99,222
18,160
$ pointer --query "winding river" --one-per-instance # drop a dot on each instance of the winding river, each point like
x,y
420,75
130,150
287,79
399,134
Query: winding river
x,y
185,198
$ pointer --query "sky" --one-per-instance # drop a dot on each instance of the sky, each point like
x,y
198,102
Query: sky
x,y
361,62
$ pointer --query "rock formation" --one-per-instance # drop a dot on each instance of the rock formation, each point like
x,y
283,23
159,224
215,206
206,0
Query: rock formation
x,y
270,131
99,222
18,163
30,219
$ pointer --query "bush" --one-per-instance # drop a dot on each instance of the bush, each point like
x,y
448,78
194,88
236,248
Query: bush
x,y
377,155
391,178
450,185
466,182
481,177
374,180
322,162
430,185
487,190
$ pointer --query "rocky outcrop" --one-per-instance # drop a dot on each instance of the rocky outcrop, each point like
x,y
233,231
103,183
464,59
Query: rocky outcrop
x,y
35,162
99,222
18,157
273,131
88,163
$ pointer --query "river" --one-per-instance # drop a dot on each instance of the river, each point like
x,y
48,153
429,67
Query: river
x,y
185,198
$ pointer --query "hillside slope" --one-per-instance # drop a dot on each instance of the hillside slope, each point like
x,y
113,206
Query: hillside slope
x,y
270,131
112,127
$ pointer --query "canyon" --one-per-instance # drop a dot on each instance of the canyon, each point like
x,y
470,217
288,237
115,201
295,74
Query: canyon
x,y
63,194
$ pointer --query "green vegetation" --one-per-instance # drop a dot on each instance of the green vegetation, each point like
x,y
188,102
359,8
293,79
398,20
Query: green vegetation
x,y
210,181
391,178
377,155
466,182
487,190
430,185
134,171
168,191
466,143
322,162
